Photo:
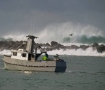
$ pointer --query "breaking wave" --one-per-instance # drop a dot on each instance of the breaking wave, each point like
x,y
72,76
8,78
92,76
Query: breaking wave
x,y
4,39
84,39
60,32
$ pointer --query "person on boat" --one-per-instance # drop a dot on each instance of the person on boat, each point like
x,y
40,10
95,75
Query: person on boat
x,y
45,57
46,54
40,48
57,57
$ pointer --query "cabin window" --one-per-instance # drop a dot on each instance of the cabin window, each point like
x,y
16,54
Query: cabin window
x,y
23,54
14,53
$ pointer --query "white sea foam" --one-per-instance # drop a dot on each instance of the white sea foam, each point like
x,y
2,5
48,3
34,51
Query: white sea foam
x,y
78,52
5,52
27,72
77,44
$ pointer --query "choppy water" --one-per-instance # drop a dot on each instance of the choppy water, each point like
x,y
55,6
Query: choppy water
x,y
83,73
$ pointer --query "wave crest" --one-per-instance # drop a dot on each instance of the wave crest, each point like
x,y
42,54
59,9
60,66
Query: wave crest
x,y
60,32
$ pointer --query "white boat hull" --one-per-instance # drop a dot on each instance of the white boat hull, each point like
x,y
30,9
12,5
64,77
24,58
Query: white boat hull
x,y
26,68
53,66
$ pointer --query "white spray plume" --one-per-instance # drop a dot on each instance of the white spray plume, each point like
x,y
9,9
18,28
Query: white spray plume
x,y
78,52
58,31
5,52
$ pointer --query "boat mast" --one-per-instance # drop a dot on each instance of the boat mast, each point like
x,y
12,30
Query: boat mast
x,y
30,43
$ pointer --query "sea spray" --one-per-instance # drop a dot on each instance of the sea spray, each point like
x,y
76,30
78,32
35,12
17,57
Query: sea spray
x,y
78,52
60,32
5,52
81,33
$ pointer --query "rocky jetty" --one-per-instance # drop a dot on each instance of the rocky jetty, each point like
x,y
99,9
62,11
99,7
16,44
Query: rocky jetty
x,y
52,46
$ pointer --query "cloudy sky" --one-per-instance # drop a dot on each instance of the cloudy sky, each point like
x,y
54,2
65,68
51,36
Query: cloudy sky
x,y
23,16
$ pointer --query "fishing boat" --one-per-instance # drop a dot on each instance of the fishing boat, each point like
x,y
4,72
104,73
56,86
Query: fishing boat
x,y
28,59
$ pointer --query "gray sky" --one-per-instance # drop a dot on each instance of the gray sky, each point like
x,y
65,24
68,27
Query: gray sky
x,y
22,15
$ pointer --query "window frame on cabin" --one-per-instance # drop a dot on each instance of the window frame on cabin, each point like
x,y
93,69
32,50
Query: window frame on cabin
x,y
23,54
14,53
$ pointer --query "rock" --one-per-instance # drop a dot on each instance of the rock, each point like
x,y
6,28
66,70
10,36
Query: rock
x,y
11,44
101,48
84,47
95,44
54,43
74,47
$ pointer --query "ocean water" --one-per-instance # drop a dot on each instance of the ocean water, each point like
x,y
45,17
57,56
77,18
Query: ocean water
x,y
82,73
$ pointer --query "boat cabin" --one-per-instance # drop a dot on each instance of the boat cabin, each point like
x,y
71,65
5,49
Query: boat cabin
x,y
20,54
